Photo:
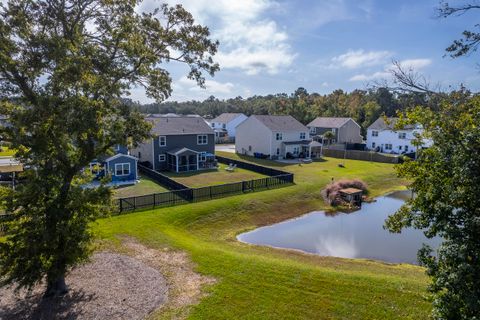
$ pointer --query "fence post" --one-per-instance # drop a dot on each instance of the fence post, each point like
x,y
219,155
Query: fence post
x,y
121,205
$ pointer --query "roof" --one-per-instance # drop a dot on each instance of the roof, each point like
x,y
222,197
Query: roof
x,y
119,155
281,123
178,151
226,117
304,142
164,126
328,122
380,124
351,191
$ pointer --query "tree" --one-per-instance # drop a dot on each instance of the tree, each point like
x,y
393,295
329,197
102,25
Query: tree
x,y
471,39
446,182
64,67
329,136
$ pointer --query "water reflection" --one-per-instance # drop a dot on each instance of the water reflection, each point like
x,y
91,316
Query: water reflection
x,y
348,235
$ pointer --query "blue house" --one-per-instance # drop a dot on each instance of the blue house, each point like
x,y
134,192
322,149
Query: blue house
x,y
121,167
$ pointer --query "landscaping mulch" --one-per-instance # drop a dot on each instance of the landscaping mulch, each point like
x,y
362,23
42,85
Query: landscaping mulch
x,y
111,286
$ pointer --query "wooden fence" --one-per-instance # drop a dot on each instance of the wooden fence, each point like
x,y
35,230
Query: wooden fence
x,y
181,194
362,155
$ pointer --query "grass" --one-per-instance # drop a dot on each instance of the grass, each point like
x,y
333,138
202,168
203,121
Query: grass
x,y
255,282
6,152
145,186
213,177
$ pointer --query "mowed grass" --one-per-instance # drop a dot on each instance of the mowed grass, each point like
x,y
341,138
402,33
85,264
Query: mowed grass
x,y
144,187
255,282
204,178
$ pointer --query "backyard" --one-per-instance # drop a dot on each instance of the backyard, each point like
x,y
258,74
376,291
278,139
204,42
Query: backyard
x,y
263,283
144,187
218,176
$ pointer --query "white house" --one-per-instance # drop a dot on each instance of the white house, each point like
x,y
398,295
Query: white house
x,y
382,137
272,136
227,123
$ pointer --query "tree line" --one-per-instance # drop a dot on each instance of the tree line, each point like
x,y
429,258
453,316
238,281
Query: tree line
x,y
364,106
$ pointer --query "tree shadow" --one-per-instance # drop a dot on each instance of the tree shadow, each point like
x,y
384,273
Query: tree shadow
x,y
36,307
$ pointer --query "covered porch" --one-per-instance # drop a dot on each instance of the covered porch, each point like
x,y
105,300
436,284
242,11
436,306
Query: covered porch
x,y
185,159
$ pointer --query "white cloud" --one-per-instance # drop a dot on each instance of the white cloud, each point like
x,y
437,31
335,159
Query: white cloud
x,y
211,86
248,40
415,64
373,76
408,64
360,58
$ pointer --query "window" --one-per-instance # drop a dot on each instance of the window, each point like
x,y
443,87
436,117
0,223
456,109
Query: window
x,y
302,136
334,130
162,141
249,148
213,125
139,155
399,147
402,135
279,136
388,146
374,133
406,148
95,167
278,151
203,156
162,157
373,145
295,150
122,169
224,126
202,139
313,130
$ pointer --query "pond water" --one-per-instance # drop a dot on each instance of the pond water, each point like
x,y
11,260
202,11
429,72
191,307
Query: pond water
x,y
359,234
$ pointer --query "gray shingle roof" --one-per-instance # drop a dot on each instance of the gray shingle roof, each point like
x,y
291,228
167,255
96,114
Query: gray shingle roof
x,y
226,117
281,123
328,122
165,126
380,124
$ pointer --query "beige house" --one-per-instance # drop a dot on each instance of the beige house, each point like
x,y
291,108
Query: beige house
x,y
346,130
277,137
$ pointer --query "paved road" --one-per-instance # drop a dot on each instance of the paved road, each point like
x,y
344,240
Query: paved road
x,y
225,148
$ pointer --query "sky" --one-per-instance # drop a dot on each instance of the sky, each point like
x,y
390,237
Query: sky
x,y
276,46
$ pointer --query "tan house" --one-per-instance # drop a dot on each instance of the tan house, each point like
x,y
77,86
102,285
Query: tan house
x,y
276,137
346,130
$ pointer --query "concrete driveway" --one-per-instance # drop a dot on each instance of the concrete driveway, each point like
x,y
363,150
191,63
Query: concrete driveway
x,y
225,148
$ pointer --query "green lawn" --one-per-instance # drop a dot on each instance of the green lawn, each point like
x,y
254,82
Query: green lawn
x,y
6,152
255,282
213,177
145,186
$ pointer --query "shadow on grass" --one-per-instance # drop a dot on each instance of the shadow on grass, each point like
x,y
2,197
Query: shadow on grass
x,y
34,306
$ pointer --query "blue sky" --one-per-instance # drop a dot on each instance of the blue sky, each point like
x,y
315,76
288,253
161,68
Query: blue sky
x,y
269,46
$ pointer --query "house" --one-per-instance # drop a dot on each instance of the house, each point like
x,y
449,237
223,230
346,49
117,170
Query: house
x,y
225,124
383,137
121,167
346,130
277,137
179,144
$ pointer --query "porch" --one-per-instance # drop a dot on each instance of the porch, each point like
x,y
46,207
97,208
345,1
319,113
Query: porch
x,y
185,159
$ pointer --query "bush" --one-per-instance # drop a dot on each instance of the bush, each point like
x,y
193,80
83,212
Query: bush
x,y
332,192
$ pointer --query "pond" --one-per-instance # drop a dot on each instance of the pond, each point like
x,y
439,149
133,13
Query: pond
x,y
359,234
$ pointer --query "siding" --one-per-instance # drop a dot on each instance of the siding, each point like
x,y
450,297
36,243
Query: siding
x,y
252,133
181,141
133,169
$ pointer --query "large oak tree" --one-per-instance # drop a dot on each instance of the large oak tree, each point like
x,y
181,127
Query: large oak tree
x,y
64,67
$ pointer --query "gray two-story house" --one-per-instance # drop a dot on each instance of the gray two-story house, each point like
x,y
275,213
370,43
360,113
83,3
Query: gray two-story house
x,y
345,130
179,144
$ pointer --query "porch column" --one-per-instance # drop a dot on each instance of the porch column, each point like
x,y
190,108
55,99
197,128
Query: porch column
x,y
176,159
309,151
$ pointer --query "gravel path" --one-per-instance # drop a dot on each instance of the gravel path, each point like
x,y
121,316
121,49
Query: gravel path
x,y
111,286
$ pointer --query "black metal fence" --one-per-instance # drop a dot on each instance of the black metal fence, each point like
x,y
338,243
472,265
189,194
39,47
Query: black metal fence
x,y
252,167
181,194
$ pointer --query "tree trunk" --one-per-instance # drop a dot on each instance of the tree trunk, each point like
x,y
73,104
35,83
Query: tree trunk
x,y
56,287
